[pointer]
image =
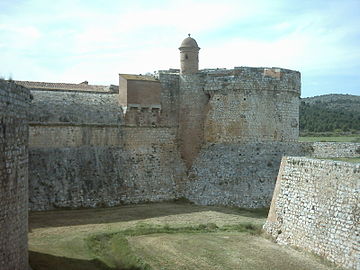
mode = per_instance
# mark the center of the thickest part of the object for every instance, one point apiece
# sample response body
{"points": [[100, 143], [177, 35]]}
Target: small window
{"points": [[186, 56]]}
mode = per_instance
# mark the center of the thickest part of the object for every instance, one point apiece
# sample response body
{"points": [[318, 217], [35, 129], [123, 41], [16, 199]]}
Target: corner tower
{"points": [[189, 56]]}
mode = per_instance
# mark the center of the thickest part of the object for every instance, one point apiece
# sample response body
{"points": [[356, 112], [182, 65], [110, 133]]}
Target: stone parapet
{"points": [[75, 107], [250, 78]]}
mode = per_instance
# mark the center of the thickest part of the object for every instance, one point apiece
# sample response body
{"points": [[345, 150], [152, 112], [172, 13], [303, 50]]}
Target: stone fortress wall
{"points": [[335, 150], [252, 105], [85, 153], [316, 207], [14, 103], [86, 150], [149, 138], [247, 119], [213, 136]]}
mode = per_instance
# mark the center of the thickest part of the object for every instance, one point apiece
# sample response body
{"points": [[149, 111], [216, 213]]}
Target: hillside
{"points": [[330, 113]]}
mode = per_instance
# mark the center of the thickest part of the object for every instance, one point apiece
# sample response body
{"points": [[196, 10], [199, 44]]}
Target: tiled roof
{"points": [[138, 77], [66, 86]]}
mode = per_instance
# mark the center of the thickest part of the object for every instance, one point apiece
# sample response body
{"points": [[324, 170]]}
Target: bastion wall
{"points": [[241, 175], [246, 121], [316, 207], [14, 103], [85, 153], [214, 136], [252, 105], [217, 137]]}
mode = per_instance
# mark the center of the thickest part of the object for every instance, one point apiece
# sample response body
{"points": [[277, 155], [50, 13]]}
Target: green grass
{"points": [[169, 236], [355, 138], [114, 250], [352, 160]]}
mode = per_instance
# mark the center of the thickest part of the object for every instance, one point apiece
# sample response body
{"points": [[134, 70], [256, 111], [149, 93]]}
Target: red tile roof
{"points": [[66, 86]]}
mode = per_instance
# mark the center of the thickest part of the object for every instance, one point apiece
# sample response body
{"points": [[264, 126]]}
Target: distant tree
{"points": [[326, 117]]}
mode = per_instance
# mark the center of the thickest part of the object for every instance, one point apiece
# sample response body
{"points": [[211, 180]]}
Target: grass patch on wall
{"points": [[352, 160], [355, 138]]}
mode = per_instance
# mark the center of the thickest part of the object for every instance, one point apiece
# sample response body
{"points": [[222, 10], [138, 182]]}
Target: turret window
{"points": [[186, 56]]}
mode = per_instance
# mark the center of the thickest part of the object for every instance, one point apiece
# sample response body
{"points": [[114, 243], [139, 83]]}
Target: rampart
{"points": [[85, 153], [316, 207], [245, 120], [230, 127], [14, 103], [214, 136]]}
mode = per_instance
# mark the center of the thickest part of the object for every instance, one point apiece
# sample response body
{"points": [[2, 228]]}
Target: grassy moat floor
{"points": [[170, 236]]}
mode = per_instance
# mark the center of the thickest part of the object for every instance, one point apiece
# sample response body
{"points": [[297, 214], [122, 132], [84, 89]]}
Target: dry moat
{"points": [[212, 136], [159, 236]]}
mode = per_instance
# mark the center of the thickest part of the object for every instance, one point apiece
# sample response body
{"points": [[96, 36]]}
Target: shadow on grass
{"points": [[42, 261], [60, 218]]}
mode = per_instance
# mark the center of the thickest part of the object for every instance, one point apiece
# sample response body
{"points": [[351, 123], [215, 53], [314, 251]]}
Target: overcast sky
{"points": [[94, 40]]}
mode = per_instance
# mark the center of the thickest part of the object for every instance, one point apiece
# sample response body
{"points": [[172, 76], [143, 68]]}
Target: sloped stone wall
{"points": [[82, 153], [14, 102], [237, 174], [145, 166], [315, 206]]}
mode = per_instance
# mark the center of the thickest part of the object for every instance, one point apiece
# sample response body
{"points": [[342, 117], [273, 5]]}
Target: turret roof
{"points": [[189, 42]]}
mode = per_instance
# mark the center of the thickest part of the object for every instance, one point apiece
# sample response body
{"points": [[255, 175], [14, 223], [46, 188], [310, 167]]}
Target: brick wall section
{"points": [[316, 207], [14, 102], [145, 93]]}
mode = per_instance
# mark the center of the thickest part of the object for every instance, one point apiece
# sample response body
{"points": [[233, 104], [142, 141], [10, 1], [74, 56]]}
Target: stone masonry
{"points": [[214, 136], [14, 103], [237, 174], [316, 207], [335, 150], [84, 154]]}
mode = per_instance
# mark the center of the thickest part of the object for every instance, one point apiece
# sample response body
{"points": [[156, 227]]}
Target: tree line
{"points": [[318, 117]]}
